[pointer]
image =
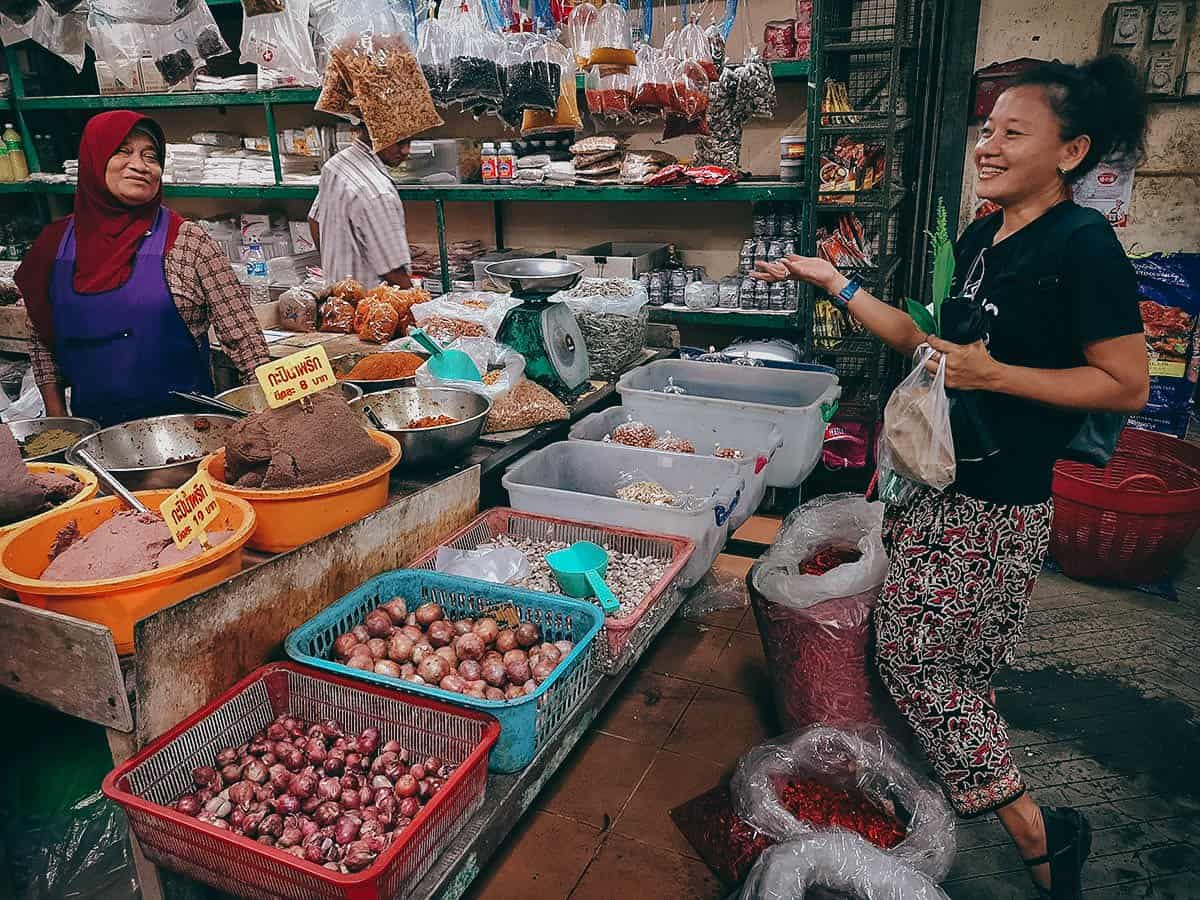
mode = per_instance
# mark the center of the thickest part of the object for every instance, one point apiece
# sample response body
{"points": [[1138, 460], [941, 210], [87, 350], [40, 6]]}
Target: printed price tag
{"points": [[189, 510], [295, 377], [505, 614]]}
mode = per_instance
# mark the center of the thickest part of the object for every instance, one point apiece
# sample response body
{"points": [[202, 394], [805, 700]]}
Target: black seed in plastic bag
{"points": [[62, 7], [174, 67], [475, 78], [532, 85], [209, 43], [20, 11]]}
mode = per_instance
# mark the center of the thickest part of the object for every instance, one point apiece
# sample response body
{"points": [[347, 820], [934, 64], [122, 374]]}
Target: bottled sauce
{"points": [[257, 277], [6, 169], [16, 152], [506, 164], [488, 160]]}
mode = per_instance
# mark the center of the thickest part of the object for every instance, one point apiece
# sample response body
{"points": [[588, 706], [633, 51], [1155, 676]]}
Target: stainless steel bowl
{"points": [[156, 453], [535, 276], [251, 398], [23, 429], [345, 362], [423, 447]]}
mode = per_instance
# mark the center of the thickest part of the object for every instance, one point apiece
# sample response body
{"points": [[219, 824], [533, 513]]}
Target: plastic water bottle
{"points": [[256, 274]]}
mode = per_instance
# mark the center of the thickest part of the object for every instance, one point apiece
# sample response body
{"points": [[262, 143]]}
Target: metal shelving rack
{"points": [[876, 48]]}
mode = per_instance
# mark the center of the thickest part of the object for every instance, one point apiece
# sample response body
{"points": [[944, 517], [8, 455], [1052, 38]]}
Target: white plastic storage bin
{"points": [[800, 403], [578, 480], [757, 438]]}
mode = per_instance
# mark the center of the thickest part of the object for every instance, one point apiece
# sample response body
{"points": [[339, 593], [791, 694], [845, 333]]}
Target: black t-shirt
{"points": [[1050, 289]]}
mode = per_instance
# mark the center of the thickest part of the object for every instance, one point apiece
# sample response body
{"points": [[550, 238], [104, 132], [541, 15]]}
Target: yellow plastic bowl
{"points": [[89, 490], [290, 518], [118, 602]]}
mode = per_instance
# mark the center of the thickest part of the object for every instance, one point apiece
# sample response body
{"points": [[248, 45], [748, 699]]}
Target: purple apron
{"points": [[122, 351]]}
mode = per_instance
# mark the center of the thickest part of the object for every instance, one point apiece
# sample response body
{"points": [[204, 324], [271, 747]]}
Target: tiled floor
{"points": [[1103, 705]]}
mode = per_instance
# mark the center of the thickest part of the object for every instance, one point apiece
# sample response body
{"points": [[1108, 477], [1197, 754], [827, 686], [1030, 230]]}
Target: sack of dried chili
{"points": [[814, 617], [835, 861], [818, 778]]}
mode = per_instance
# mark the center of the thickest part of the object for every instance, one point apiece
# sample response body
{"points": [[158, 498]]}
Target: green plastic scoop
{"points": [[580, 570], [447, 365]]}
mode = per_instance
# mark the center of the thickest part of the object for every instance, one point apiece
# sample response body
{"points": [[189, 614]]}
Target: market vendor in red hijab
{"points": [[122, 293]]}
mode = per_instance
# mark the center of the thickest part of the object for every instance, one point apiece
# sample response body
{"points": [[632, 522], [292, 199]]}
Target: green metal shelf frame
{"points": [[280, 96]]}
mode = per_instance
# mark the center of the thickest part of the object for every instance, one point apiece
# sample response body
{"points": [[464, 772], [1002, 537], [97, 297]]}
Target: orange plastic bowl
{"points": [[118, 602], [90, 487], [288, 519]]}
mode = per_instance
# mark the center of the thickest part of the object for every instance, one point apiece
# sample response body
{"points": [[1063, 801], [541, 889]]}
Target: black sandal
{"points": [[1068, 843]]}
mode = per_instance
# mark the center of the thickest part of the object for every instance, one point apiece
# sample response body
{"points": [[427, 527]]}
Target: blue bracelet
{"points": [[846, 294]]}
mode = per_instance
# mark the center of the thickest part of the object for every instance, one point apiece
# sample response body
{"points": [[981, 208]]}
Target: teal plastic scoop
{"points": [[447, 365], [580, 571]]}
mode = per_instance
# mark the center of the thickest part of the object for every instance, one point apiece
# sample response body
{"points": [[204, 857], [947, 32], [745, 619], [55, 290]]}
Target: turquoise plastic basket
{"points": [[525, 724]]}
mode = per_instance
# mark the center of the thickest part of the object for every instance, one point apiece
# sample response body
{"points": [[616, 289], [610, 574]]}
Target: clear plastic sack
{"points": [[527, 405], [816, 628], [651, 86], [917, 441], [433, 52], [146, 12], [298, 310], [689, 92], [180, 47], [566, 112], [608, 96], [612, 43], [63, 35], [333, 23], [531, 81], [264, 7], [451, 312], [837, 861], [693, 46], [487, 562], [29, 403], [701, 295], [476, 79], [502, 368], [581, 33], [337, 316], [864, 761], [612, 316], [717, 591], [280, 41]]}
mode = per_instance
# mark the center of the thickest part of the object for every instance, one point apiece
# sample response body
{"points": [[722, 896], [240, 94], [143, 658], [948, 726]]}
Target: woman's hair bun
{"points": [[1103, 99]]}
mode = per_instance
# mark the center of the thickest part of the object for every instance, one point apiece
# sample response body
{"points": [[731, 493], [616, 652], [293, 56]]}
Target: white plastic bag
{"points": [[487, 562], [839, 861], [450, 317], [502, 368], [917, 441], [864, 762], [621, 297], [146, 12], [28, 405], [281, 42]]}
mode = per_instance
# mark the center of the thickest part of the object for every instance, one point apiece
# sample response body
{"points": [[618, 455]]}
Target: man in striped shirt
{"points": [[357, 220]]}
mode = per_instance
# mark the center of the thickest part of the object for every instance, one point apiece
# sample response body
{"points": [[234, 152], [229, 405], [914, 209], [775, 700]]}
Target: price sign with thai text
{"points": [[190, 509], [295, 377]]}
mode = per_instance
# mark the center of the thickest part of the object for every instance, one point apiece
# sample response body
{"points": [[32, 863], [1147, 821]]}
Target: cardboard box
{"points": [[620, 260]]}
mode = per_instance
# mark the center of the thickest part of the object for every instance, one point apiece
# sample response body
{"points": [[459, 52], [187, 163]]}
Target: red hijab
{"points": [[107, 232]]}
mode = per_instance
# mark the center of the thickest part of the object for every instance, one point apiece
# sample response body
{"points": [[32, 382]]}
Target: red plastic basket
{"points": [[161, 772], [1130, 521], [619, 637]]}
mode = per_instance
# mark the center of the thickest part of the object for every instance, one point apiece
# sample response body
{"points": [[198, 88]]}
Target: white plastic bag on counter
{"points": [[609, 296], [63, 35], [281, 42], [865, 762], [28, 405], [487, 562], [502, 368], [838, 861], [464, 314]]}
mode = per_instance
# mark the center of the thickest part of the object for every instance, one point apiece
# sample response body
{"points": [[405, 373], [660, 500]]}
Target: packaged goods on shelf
{"points": [[230, 84], [279, 42]]}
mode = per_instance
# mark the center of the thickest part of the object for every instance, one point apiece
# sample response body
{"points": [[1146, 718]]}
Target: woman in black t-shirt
{"points": [[1063, 338]]}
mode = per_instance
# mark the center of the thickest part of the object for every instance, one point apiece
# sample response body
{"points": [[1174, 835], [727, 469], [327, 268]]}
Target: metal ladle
{"points": [[110, 482]]}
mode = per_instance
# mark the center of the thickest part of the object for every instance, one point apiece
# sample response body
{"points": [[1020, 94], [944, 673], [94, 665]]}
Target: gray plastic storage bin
{"points": [[578, 480], [757, 438], [800, 403]]}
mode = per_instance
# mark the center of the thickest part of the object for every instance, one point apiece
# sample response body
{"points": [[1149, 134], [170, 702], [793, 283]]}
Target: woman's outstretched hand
{"points": [[810, 269], [969, 367]]}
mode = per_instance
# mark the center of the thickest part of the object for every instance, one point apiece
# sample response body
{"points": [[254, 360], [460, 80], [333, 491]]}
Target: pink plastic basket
{"points": [[619, 637], [161, 772]]}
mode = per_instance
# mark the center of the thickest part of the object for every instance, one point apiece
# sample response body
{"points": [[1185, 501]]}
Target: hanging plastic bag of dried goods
{"points": [[263, 7], [280, 41], [64, 35], [390, 93], [612, 317], [608, 96], [117, 43], [756, 87], [566, 113], [581, 33], [688, 112], [476, 80], [813, 593], [146, 12], [533, 81], [722, 146], [185, 44], [612, 44], [19, 11], [918, 443], [693, 46], [889, 802], [334, 22], [433, 52], [839, 862]]}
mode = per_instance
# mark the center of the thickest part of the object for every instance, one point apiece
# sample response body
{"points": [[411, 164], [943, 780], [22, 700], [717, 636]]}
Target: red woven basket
{"points": [[1129, 521]]}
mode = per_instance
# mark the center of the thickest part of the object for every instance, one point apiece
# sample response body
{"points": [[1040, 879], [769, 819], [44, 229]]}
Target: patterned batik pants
{"points": [[960, 575]]}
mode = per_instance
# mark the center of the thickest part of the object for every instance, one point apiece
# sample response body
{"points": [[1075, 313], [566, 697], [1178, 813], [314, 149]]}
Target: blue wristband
{"points": [[846, 294]]}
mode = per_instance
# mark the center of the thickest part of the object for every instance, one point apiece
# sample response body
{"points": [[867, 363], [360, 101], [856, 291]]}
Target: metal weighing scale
{"points": [[546, 334]]}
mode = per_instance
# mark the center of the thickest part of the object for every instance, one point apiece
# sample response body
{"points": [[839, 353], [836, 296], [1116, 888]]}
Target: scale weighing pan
{"points": [[546, 334]]}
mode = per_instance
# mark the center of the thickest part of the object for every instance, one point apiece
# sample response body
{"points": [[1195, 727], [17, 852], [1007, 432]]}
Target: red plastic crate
{"points": [[161, 772], [618, 637]]}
